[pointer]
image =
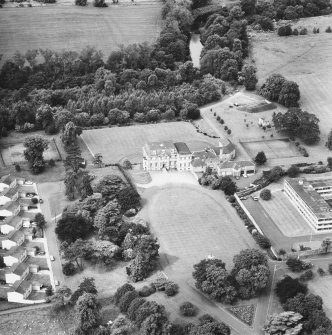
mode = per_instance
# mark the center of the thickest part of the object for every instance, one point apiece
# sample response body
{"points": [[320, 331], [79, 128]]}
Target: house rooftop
{"points": [[10, 206], [305, 189], [226, 146], [182, 148], [235, 165], [21, 286], [11, 221], [16, 251], [9, 192], [16, 236], [19, 268], [159, 148], [7, 179]]}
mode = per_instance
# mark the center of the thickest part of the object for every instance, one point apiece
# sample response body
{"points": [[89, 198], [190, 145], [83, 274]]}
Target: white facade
{"points": [[310, 204]]}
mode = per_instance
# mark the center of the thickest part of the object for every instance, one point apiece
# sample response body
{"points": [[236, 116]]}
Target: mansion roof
{"points": [[182, 148], [159, 148]]}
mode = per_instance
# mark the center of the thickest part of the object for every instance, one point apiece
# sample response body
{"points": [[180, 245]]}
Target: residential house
{"points": [[203, 159], [11, 223], [14, 238], [236, 169], [15, 255], [9, 194], [19, 271], [7, 181], [159, 155], [20, 291], [10, 209]]}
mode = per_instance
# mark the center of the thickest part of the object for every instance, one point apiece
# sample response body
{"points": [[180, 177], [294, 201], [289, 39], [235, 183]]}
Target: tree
{"points": [[87, 312], [134, 306], [72, 227], [289, 94], [295, 264], [326, 244], [128, 198], [285, 30], [328, 144], [188, 309], [249, 73], [147, 309], [126, 300], [59, 298], [275, 173], [49, 291], [288, 288], [293, 171], [210, 328], [248, 6], [70, 133], [260, 158], [304, 304], [99, 3], [121, 292], [40, 222], [227, 185], [110, 186], [298, 123], [265, 194], [103, 251], [98, 160], [75, 251], [284, 323], [35, 147], [68, 269], [34, 232], [272, 87]]}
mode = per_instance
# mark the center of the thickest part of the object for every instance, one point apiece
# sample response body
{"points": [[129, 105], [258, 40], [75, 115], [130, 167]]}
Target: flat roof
{"points": [[317, 183], [311, 197], [182, 148]]}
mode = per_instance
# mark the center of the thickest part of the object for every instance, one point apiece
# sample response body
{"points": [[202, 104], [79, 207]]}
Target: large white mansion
{"points": [[177, 156], [311, 198]]}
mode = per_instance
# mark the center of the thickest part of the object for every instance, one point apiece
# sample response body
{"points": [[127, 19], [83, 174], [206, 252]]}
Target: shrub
{"points": [[226, 128], [171, 289], [51, 162], [304, 31], [295, 32], [122, 290], [17, 167], [231, 199], [218, 118], [99, 3], [293, 171], [188, 309], [160, 284], [49, 291], [222, 121], [34, 200], [81, 2], [68, 269], [126, 300], [297, 265], [289, 287], [214, 114], [330, 268], [229, 131], [321, 271], [265, 194], [205, 318], [262, 240], [285, 30], [328, 30], [146, 291], [307, 275]]}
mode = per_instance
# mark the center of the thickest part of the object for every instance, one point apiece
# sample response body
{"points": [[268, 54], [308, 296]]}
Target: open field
{"points": [[273, 148], [73, 28], [285, 215], [119, 142], [306, 60]]}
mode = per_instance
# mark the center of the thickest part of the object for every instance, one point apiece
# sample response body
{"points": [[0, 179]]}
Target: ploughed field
{"points": [[73, 28]]}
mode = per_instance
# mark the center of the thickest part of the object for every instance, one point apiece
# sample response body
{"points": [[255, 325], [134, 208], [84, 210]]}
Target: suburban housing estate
{"points": [[177, 156]]}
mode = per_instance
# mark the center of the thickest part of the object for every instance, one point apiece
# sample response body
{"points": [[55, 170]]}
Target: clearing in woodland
{"points": [[73, 28], [119, 142], [306, 60]]}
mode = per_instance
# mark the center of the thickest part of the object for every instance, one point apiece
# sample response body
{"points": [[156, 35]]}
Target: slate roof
{"points": [[19, 268], [227, 146], [200, 157], [7, 179], [182, 148], [235, 165], [9, 192], [16, 251]]}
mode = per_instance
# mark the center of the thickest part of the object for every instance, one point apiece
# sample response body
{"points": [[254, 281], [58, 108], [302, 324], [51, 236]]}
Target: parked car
{"points": [[56, 282], [52, 258], [30, 194], [41, 253], [41, 201], [256, 198], [28, 182]]}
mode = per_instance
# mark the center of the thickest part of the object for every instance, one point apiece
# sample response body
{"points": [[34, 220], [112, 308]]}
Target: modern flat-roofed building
{"points": [[310, 198]]}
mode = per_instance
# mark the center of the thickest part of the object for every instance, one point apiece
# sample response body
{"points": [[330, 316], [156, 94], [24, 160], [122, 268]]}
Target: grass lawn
{"points": [[73, 28], [306, 60], [285, 215], [119, 142], [191, 223], [322, 287]]}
